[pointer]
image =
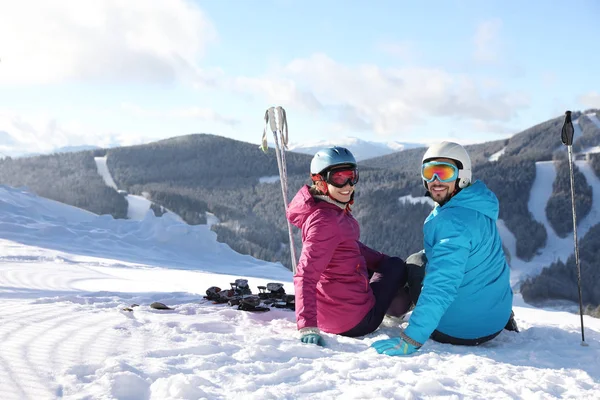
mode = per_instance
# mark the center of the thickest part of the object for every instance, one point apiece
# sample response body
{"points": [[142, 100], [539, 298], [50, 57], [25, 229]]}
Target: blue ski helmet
{"points": [[330, 157]]}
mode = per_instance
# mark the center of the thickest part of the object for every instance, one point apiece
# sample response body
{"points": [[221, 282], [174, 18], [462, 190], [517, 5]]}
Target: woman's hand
{"points": [[311, 335]]}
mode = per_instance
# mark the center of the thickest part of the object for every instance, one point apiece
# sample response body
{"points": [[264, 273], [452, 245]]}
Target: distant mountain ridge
{"points": [[361, 149], [72, 149], [63, 149]]}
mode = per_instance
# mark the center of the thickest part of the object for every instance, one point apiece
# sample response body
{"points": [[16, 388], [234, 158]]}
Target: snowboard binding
{"points": [[214, 293], [273, 291], [274, 294], [240, 287], [252, 303], [240, 295]]}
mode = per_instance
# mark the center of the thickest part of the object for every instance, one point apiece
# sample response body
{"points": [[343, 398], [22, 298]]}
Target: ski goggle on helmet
{"points": [[341, 177], [443, 171]]}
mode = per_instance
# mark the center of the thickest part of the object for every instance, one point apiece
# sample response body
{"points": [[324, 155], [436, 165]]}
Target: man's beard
{"points": [[444, 200]]}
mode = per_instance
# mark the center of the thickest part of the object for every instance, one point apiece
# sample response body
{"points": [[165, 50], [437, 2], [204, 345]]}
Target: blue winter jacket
{"points": [[466, 291]]}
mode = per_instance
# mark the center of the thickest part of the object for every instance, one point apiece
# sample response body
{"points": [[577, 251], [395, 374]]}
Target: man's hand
{"points": [[394, 347]]}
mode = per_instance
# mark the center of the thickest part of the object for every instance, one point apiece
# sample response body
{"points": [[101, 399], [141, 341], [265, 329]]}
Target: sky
{"points": [[67, 277], [108, 73]]}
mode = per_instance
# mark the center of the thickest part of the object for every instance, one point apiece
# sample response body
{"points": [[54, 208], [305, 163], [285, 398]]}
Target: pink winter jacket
{"points": [[331, 283]]}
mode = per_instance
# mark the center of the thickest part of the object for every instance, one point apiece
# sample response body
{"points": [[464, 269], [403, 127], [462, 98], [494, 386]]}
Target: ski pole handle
{"points": [[567, 130]]}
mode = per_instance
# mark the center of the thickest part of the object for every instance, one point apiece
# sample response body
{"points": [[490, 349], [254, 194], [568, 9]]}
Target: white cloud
{"points": [[101, 41], [487, 40], [384, 101], [42, 133], [590, 100], [276, 90], [498, 129], [204, 114]]}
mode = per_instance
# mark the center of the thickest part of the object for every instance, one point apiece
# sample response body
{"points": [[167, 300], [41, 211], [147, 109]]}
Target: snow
{"points": [[104, 173], [138, 207], [594, 149], [66, 275], [508, 239], [594, 119], [577, 132], [34, 221], [556, 248], [416, 200], [268, 179], [496, 155], [211, 219]]}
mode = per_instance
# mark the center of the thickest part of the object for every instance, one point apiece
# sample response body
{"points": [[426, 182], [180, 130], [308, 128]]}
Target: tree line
{"points": [[195, 174]]}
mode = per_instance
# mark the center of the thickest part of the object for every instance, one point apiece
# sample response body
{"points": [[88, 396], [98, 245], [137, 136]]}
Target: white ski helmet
{"points": [[455, 152]]}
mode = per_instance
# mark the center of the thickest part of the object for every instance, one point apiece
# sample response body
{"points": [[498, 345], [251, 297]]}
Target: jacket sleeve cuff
{"points": [[409, 340], [309, 330]]}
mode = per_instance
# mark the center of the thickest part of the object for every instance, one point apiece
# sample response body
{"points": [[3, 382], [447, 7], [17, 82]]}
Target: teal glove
{"points": [[311, 335], [394, 347]]}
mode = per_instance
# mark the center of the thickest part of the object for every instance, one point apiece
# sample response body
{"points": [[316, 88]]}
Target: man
{"points": [[466, 298]]}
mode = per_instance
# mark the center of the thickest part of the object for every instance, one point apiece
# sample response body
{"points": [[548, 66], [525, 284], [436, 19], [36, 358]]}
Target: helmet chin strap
{"points": [[320, 183], [457, 187]]}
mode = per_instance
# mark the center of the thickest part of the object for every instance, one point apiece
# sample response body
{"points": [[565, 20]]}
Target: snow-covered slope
{"points": [[165, 241], [66, 275], [361, 149], [138, 206], [556, 248], [102, 168], [594, 119]]}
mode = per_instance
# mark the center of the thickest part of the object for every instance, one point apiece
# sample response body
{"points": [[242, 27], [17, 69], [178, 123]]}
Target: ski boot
{"points": [[511, 325], [218, 296], [213, 293], [251, 303], [271, 293], [288, 301], [240, 287], [240, 290]]}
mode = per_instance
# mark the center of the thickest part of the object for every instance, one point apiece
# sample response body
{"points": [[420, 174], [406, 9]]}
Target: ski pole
{"points": [[276, 121], [567, 139]]}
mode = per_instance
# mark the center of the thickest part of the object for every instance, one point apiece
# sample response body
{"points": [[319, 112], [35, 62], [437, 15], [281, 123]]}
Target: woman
{"points": [[331, 284]]}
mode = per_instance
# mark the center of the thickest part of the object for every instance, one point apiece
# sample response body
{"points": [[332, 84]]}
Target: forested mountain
{"points": [[195, 174], [70, 178]]}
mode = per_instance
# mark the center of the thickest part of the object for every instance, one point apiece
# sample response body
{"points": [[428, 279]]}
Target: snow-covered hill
{"points": [[361, 149], [67, 274], [34, 221], [138, 206]]}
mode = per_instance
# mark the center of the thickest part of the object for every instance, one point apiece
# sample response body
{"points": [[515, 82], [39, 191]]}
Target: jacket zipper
{"points": [[362, 276]]}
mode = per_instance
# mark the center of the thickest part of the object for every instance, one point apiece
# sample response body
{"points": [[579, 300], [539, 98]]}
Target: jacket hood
{"points": [[301, 206], [477, 197]]}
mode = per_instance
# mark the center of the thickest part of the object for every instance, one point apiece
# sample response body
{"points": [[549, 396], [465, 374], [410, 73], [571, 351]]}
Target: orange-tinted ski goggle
{"points": [[443, 171]]}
